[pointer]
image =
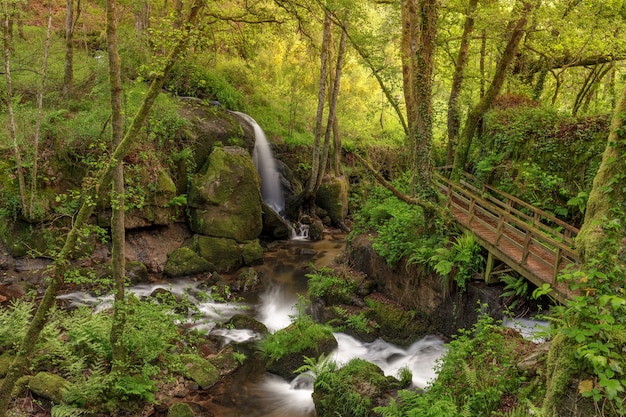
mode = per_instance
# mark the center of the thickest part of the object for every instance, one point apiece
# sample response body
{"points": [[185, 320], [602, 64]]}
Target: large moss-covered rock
{"points": [[200, 371], [5, 361], [226, 254], [332, 196], [49, 386], [151, 195], [289, 347], [184, 261], [225, 197], [353, 389]]}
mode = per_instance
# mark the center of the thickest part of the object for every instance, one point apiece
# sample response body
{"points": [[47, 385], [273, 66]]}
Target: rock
{"points": [[184, 261], [316, 230], [358, 385], [247, 279], [5, 361], [136, 272], [332, 196], [225, 196], [155, 206], [320, 341], [49, 386], [200, 371], [535, 360], [243, 321], [226, 254], [180, 410], [274, 226]]}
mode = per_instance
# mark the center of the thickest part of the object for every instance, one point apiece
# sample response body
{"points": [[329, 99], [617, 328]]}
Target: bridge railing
{"points": [[539, 237]]}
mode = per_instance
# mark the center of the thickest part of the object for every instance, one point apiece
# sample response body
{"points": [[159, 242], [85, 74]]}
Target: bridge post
{"points": [[489, 268]]}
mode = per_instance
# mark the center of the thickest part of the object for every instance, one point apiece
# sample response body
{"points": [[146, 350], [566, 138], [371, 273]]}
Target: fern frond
{"points": [[67, 410]]}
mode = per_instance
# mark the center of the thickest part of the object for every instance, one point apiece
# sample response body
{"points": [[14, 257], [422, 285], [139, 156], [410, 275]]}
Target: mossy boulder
{"points": [[226, 254], [332, 196], [225, 196], [352, 391], [180, 410], [288, 347], [184, 261], [49, 386], [200, 371], [243, 321], [151, 193]]}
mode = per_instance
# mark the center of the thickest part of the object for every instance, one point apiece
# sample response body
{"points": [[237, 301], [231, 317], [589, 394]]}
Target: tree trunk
{"points": [[89, 195], [309, 194], [6, 36], [474, 116], [332, 109], [142, 16], [118, 238], [454, 113], [417, 50], [605, 207], [42, 84], [70, 25]]}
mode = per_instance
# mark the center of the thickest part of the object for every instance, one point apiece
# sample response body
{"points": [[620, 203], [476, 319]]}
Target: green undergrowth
{"points": [[75, 345], [478, 376]]}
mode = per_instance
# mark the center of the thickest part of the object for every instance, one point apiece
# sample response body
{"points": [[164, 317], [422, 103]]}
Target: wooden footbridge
{"points": [[526, 239]]}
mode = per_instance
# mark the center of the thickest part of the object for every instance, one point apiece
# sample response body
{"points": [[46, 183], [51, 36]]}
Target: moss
{"points": [[49, 386], [180, 410], [201, 371], [184, 261], [5, 361], [332, 196], [252, 252], [562, 366], [225, 254]]}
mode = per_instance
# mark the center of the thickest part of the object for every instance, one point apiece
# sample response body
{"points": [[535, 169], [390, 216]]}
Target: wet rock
{"points": [[274, 226], [136, 272], [184, 261], [201, 371], [247, 279], [16, 290], [243, 321], [225, 196], [332, 196], [180, 410], [316, 230], [226, 254], [49, 386]]}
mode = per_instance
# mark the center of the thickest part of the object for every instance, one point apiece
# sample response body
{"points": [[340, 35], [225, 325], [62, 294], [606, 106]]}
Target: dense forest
{"points": [[125, 117]]}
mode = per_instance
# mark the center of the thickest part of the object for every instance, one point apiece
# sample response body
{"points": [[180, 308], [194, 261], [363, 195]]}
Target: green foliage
{"points": [[478, 369], [397, 227], [203, 83], [459, 261], [13, 323], [326, 284], [357, 322], [303, 333], [516, 289]]}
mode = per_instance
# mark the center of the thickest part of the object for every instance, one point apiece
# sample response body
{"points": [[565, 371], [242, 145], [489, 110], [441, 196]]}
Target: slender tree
{"points": [[117, 195], [7, 11], [89, 195], [42, 84], [454, 112], [517, 30], [71, 18]]}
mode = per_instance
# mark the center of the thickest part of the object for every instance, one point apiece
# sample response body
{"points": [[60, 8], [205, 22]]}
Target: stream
{"points": [[283, 275]]}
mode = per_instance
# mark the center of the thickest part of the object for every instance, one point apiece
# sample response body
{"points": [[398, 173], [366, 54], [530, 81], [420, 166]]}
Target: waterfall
{"points": [[271, 188]]}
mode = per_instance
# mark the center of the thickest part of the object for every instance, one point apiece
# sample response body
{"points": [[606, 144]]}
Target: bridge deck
{"points": [[530, 241]]}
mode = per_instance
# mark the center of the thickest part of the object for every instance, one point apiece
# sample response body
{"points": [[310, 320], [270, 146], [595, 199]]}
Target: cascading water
{"points": [[271, 188]]}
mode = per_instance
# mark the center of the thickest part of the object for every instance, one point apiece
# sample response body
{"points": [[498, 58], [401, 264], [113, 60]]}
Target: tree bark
{"points": [[605, 207], [309, 194], [70, 25], [476, 113], [118, 238], [42, 84], [454, 113], [6, 37], [332, 109], [88, 197], [418, 50]]}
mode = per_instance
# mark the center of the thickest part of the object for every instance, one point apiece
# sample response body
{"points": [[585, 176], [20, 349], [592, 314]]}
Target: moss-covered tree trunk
{"points": [[418, 60], [605, 207], [88, 198], [118, 231], [454, 112], [476, 113], [70, 24]]}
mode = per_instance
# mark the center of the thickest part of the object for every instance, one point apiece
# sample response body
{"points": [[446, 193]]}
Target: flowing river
{"points": [[258, 394]]}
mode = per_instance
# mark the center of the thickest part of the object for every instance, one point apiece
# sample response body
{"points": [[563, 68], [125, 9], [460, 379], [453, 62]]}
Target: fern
{"points": [[67, 410], [470, 376]]}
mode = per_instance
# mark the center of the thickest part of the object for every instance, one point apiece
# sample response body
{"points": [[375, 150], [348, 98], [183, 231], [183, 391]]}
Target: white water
{"points": [[271, 188]]}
